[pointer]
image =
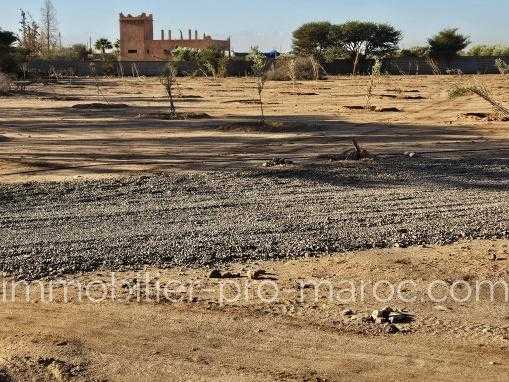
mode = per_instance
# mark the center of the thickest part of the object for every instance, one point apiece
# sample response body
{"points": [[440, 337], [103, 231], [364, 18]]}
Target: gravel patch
{"points": [[211, 218]]}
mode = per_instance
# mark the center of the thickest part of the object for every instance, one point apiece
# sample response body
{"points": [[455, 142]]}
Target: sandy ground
{"points": [[47, 139], [196, 335], [239, 329]]}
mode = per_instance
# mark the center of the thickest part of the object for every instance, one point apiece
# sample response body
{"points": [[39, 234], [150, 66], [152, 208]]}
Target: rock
{"points": [[347, 312], [382, 313], [391, 329], [400, 317], [256, 274], [215, 274], [441, 308]]}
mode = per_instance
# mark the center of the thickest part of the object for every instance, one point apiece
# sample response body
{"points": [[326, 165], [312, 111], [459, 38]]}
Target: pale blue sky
{"points": [[269, 23]]}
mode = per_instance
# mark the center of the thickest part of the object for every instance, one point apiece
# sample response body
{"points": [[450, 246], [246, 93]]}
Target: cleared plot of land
{"points": [[48, 139], [135, 190]]}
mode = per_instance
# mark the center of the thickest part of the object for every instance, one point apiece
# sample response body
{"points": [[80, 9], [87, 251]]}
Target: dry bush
{"points": [[502, 66], [294, 68], [5, 84], [482, 91]]}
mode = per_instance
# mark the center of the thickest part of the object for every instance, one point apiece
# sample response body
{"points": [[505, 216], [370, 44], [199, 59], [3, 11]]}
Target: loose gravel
{"points": [[212, 218]]}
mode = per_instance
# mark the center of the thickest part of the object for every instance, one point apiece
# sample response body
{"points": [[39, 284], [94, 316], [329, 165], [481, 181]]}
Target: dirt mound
{"points": [[96, 106]]}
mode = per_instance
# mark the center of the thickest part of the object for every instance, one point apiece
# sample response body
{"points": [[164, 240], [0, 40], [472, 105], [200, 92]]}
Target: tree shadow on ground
{"points": [[451, 156]]}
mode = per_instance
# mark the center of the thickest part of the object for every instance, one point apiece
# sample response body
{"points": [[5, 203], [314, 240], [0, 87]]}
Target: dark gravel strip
{"points": [[209, 218]]}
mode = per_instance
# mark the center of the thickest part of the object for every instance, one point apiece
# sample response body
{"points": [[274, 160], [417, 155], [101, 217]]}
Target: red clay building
{"points": [[137, 40]]}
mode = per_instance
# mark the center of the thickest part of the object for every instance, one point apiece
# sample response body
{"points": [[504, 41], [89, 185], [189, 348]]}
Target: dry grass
{"points": [[5, 84], [482, 91]]}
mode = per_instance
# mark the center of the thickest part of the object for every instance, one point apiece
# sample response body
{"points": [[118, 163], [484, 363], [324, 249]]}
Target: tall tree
{"points": [[359, 38], [103, 44], [30, 35], [312, 38], [448, 43], [49, 25]]}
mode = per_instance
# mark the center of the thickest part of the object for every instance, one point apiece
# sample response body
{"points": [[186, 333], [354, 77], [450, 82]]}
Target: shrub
{"points": [[447, 44], [290, 68], [488, 51], [186, 61], [415, 52], [502, 66]]}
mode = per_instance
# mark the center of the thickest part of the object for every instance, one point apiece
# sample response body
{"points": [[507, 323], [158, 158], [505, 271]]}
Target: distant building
{"points": [[137, 40]]}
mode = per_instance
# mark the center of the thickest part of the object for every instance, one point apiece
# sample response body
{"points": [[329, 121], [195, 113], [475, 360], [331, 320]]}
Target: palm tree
{"points": [[103, 44]]}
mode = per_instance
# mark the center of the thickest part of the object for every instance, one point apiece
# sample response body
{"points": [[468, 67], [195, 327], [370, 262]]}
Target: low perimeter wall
{"points": [[403, 65]]}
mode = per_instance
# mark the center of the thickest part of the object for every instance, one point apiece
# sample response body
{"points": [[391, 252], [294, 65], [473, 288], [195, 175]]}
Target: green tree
{"points": [[7, 51], [103, 44], [447, 44], [367, 39], [360, 39], [312, 38]]}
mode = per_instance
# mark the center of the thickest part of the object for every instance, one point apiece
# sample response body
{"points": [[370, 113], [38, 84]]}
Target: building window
{"points": [[132, 51], [148, 51]]}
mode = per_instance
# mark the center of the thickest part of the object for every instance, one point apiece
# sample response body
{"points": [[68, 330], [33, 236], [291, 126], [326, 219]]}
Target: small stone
{"points": [[215, 274], [347, 312], [441, 308]]}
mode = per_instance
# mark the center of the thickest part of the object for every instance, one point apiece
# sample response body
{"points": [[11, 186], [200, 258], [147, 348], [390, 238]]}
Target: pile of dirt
{"points": [[97, 106]]}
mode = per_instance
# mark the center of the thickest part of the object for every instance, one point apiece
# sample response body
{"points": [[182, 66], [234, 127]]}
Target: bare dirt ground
{"points": [[47, 139], [250, 334], [455, 187]]}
